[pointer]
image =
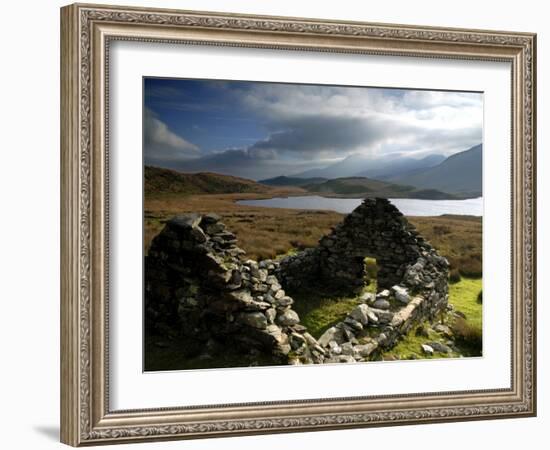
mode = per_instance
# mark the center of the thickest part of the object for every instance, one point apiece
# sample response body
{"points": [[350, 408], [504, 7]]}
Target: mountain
{"points": [[368, 166], [458, 174], [160, 181], [291, 181], [390, 167], [367, 187], [344, 168]]}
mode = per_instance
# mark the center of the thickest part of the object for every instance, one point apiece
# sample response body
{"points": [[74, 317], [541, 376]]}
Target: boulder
{"points": [[364, 350], [210, 218], [444, 330], [427, 349], [355, 324], [284, 301], [288, 318], [439, 347], [361, 314], [401, 294], [332, 334], [381, 304], [185, 222]]}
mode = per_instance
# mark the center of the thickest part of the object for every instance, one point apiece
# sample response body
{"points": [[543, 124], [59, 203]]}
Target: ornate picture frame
{"points": [[87, 31]]}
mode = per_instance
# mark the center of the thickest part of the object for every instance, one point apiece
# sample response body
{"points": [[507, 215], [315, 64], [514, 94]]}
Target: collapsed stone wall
{"points": [[412, 278], [197, 286], [376, 228]]}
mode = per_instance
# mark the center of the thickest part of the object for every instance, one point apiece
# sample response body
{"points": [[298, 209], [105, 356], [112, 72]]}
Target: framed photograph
{"points": [[276, 224]]}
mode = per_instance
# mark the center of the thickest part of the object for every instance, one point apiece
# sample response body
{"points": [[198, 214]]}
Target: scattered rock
{"points": [[381, 304], [334, 348], [373, 318], [347, 348], [332, 334], [439, 347], [383, 315], [427, 349], [401, 294], [444, 330], [355, 324], [361, 314], [366, 349]]}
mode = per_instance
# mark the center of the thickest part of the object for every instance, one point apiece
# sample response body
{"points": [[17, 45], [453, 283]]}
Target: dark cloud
{"points": [[313, 134], [306, 125]]}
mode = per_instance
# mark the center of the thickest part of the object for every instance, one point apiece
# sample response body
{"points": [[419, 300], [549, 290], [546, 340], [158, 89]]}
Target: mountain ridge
{"points": [[460, 173], [158, 180], [367, 166]]}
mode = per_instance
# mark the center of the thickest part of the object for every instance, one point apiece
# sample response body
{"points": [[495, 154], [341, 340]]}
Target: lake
{"points": [[408, 206]]}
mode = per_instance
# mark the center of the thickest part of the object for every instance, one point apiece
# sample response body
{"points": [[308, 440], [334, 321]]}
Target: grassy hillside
{"points": [[291, 181], [363, 187], [165, 181]]}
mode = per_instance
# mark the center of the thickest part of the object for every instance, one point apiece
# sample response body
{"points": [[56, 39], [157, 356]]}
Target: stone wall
{"points": [[376, 229], [412, 279], [197, 286]]}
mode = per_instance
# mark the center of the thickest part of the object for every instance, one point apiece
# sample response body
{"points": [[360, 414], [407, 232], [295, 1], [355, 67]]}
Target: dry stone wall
{"points": [[199, 286], [376, 229]]}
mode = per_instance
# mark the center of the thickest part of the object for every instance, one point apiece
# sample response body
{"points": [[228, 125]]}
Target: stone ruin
{"points": [[198, 286]]}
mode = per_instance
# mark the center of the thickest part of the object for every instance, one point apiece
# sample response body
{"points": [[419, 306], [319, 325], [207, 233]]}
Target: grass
{"points": [[318, 311], [458, 238], [268, 232], [463, 296], [262, 232], [410, 347], [158, 180]]}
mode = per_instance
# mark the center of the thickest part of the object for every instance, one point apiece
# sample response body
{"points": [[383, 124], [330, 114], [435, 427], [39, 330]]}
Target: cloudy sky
{"points": [[259, 130]]}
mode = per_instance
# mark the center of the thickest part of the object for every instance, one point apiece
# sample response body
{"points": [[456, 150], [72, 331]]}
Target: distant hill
{"points": [[367, 187], [291, 181], [161, 181], [459, 174], [357, 165], [396, 166]]}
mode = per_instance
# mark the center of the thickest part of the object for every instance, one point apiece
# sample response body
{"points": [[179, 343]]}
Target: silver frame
{"points": [[86, 32]]}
